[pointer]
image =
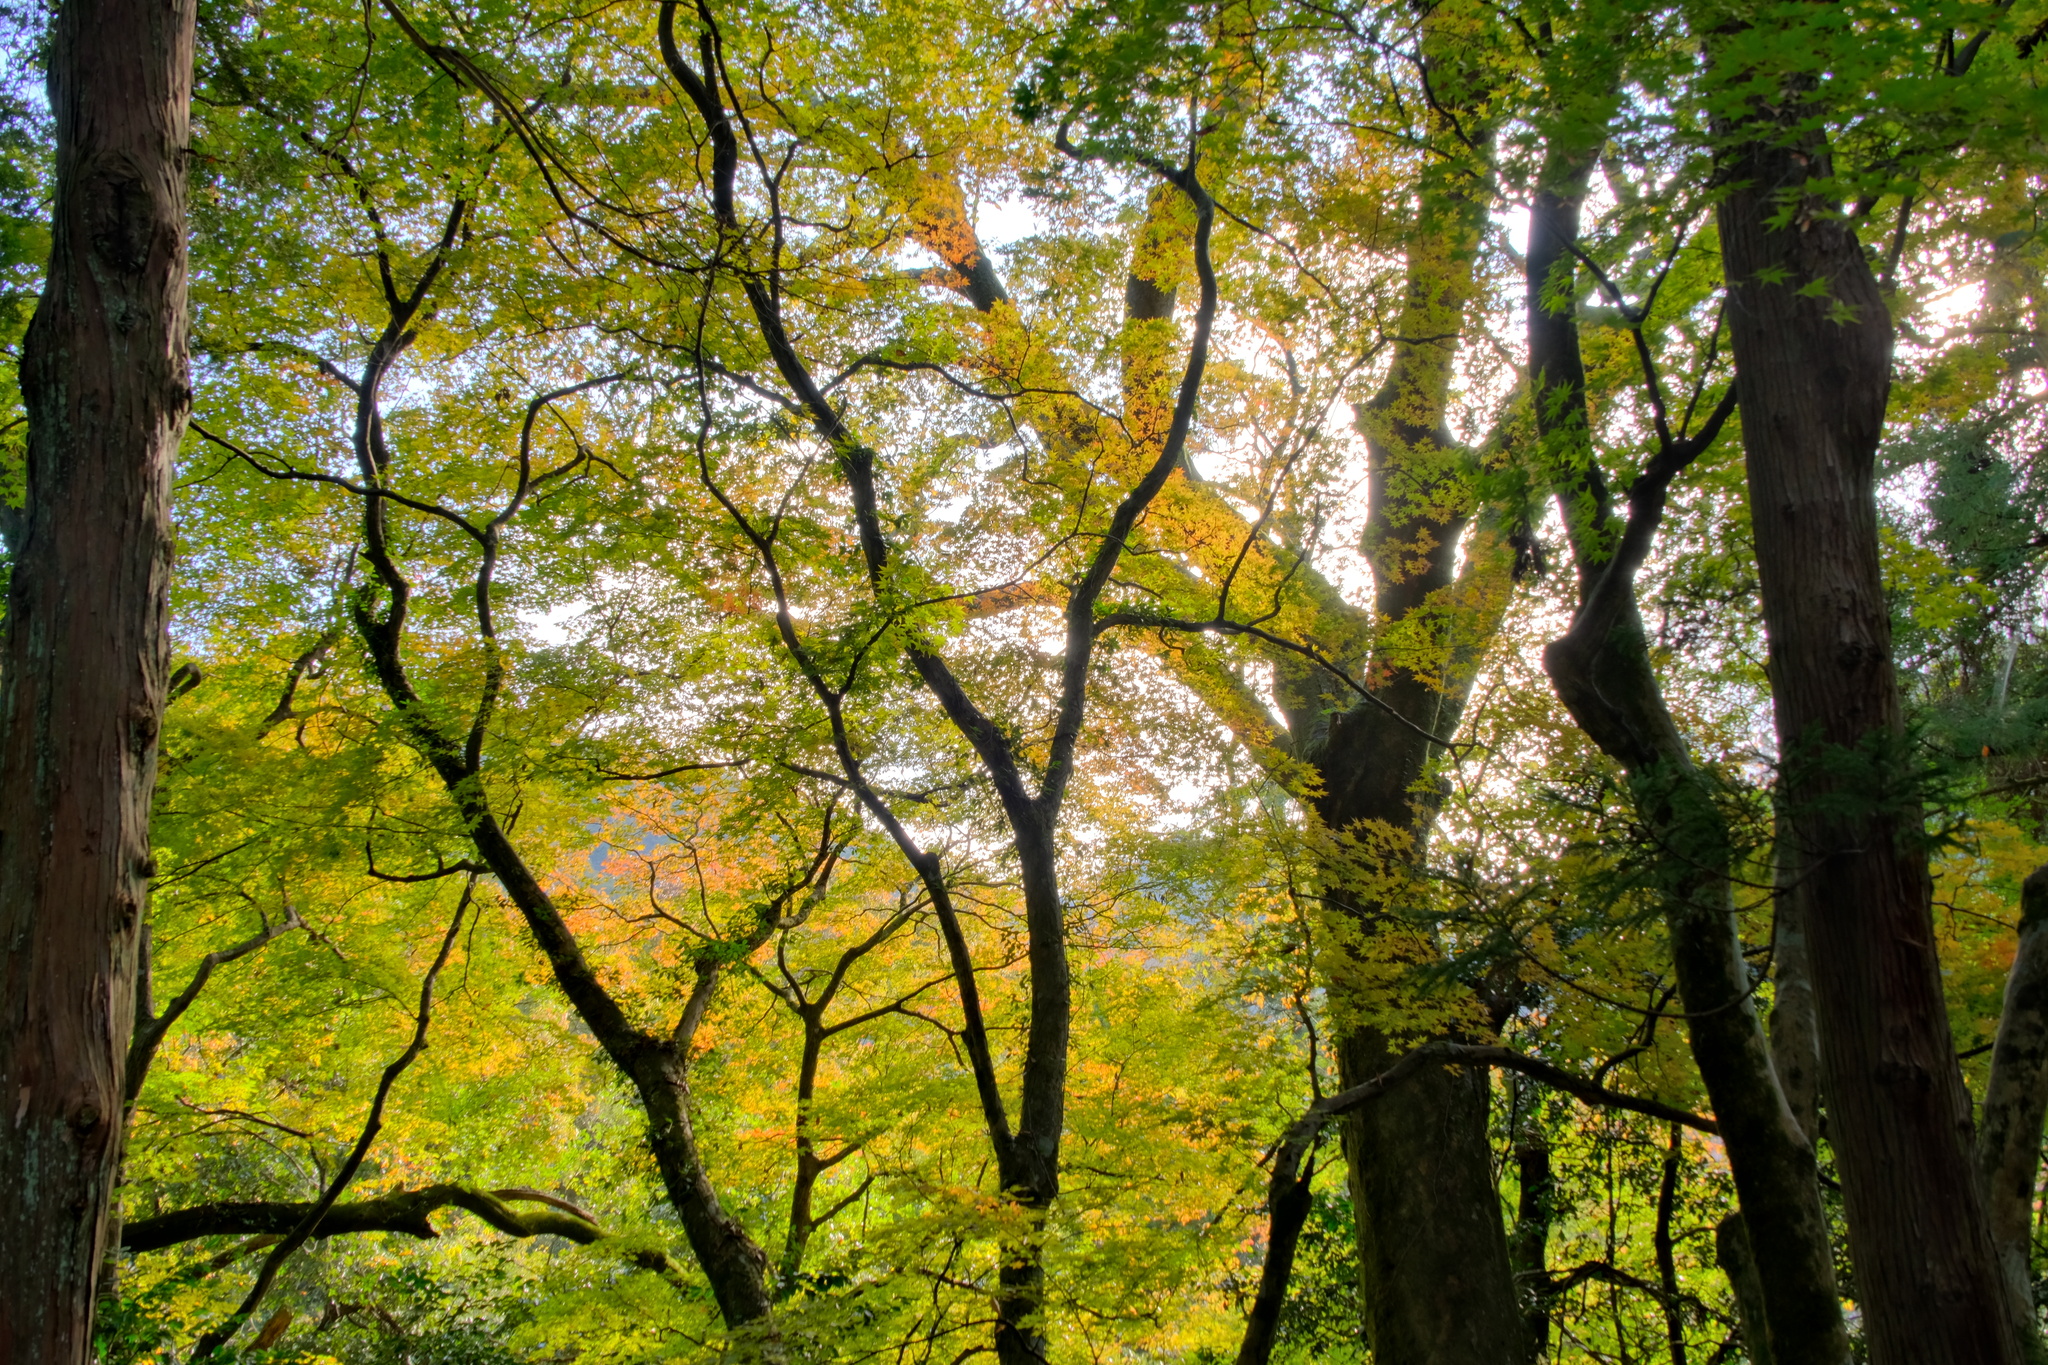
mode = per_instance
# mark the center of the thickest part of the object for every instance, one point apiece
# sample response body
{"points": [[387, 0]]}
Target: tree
{"points": [[1812, 335], [105, 384], [1603, 671], [1363, 702], [956, 802]]}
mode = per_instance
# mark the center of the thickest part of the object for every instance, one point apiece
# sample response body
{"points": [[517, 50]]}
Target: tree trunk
{"points": [[1603, 673], [1029, 1164], [1535, 1211], [1437, 1284], [1731, 1253], [1665, 1243], [1812, 345], [82, 684], [1795, 1035], [1283, 1238], [2015, 1100]]}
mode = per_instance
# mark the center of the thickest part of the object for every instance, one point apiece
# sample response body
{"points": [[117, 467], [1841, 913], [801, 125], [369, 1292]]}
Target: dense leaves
{"points": [[848, 543]]}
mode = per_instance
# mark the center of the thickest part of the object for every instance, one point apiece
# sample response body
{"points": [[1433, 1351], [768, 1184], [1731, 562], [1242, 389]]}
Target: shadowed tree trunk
{"points": [[1812, 342], [1795, 1055], [2015, 1099], [1795, 1035], [1731, 1253], [1433, 1255], [105, 383], [1535, 1211], [1604, 675]]}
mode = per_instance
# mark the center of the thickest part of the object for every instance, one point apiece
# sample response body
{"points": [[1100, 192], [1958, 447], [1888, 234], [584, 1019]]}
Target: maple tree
{"points": [[1094, 681]]}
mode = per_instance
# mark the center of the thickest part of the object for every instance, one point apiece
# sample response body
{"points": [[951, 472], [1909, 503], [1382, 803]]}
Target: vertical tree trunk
{"points": [[1433, 1254], [1731, 1253], [1812, 344], [1666, 1245], [1795, 1035], [1606, 679], [82, 683], [2015, 1099], [1535, 1211]]}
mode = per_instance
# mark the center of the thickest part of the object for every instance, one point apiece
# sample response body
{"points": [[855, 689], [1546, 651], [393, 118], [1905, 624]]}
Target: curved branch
{"points": [[309, 1221], [406, 1211], [151, 1027]]}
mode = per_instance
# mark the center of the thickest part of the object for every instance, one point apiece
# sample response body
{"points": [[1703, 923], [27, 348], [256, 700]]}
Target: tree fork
{"points": [[1433, 1253], [1602, 671]]}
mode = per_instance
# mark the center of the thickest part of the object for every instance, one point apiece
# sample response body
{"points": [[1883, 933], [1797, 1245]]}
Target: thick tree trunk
{"points": [[1434, 1270], [2015, 1100], [1812, 345], [1603, 674], [82, 684], [1437, 1283], [1428, 1215]]}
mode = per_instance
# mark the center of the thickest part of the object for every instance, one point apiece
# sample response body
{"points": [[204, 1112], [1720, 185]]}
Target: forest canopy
{"points": [[1271, 680]]}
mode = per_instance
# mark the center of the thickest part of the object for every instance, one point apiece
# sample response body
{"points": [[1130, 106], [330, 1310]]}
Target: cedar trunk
{"points": [[105, 383], [1812, 343]]}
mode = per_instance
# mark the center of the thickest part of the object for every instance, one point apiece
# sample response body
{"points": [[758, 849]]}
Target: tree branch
{"points": [[1287, 1190], [150, 1027], [309, 1223]]}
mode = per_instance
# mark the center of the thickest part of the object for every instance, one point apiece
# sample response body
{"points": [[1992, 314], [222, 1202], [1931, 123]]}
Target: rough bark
{"points": [[1603, 673], [2015, 1101], [1812, 344], [105, 383]]}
